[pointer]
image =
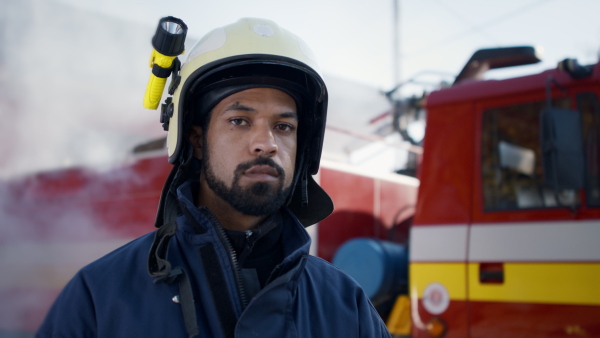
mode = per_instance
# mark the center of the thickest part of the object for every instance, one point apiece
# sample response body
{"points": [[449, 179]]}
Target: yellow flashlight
{"points": [[168, 43]]}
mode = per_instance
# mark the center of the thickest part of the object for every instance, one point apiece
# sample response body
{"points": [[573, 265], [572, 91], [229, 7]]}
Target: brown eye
{"points": [[285, 127], [238, 122]]}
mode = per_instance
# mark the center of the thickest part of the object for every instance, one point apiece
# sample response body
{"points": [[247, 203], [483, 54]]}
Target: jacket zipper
{"points": [[236, 266], [250, 239]]}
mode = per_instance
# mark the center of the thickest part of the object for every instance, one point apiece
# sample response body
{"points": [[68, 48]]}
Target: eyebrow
{"points": [[238, 106], [289, 115]]}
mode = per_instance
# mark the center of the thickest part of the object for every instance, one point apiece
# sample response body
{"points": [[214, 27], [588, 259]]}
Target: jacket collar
{"points": [[296, 241]]}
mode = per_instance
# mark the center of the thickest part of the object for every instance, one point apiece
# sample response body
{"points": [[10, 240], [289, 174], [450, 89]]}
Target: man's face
{"points": [[249, 150]]}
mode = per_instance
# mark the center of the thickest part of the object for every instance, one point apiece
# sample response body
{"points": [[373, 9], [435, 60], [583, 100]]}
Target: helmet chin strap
{"points": [[181, 171], [304, 187], [300, 178]]}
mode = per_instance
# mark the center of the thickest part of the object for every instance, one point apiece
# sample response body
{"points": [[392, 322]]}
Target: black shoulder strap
{"points": [[160, 267]]}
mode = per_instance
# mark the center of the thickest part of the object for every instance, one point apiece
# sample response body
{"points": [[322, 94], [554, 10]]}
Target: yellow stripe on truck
{"points": [[451, 275], [556, 283]]}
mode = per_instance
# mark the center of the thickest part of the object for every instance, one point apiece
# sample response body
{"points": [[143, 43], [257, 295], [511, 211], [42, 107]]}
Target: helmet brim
{"points": [[319, 207]]}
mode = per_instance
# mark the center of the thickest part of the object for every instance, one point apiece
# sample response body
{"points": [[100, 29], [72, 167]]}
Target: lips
{"points": [[262, 172]]}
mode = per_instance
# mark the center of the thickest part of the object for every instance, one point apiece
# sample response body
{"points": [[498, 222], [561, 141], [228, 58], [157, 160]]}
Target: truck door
{"points": [[533, 253]]}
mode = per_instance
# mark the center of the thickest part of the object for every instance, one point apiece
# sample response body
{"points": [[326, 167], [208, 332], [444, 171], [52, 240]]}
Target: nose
{"points": [[263, 142]]}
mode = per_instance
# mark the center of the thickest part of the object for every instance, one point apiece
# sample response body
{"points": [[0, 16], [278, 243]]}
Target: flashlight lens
{"points": [[172, 27], [169, 38]]}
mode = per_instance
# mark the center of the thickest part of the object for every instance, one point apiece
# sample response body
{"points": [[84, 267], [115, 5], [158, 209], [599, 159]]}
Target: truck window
{"points": [[587, 103], [511, 167]]}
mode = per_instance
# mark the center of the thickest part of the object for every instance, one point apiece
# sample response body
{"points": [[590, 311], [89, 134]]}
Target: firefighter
{"points": [[230, 257]]}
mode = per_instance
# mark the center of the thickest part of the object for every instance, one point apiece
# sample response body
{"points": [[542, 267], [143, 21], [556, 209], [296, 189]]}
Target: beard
{"points": [[259, 198]]}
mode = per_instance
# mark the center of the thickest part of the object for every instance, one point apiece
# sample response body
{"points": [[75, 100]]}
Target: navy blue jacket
{"points": [[116, 297]]}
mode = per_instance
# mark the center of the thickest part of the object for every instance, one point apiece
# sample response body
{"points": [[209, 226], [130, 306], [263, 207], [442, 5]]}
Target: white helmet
{"points": [[248, 54]]}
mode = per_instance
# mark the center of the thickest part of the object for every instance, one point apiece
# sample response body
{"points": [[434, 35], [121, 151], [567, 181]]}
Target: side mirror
{"points": [[562, 149]]}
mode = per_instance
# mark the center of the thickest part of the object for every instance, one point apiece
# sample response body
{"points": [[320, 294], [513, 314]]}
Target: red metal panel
{"points": [[79, 204], [397, 203], [477, 90], [446, 170], [455, 318], [353, 216], [493, 319]]}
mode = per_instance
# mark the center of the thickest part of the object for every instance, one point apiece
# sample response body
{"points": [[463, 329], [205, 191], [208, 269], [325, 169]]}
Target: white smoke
{"points": [[71, 87], [71, 90]]}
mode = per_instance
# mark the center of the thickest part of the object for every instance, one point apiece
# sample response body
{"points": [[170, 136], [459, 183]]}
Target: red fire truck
{"points": [[496, 236], [504, 237]]}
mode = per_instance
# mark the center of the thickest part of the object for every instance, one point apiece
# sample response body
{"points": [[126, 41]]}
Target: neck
{"points": [[230, 218]]}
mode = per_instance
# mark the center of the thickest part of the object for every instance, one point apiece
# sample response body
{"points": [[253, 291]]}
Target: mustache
{"points": [[259, 161]]}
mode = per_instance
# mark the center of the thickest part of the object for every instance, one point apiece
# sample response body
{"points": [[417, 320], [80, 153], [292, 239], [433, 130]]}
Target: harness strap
{"points": [[158, 265], [187, 305], [160, 268]]}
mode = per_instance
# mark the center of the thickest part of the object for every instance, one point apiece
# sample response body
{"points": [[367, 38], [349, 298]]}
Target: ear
{"points": [[196, 141]]}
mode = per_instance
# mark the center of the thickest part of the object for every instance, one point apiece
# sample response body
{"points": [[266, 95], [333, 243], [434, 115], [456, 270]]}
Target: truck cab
{"points": [[504, 236]]}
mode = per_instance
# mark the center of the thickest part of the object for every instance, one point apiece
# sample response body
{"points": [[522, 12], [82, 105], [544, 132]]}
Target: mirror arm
{"points": [[549, 83]]}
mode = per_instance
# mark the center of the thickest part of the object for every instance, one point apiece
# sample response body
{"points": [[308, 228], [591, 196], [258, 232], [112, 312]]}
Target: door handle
{"points": [[491, 273]]}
